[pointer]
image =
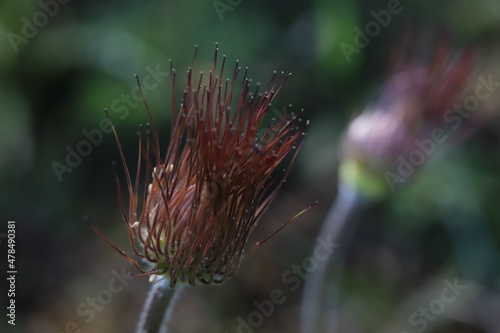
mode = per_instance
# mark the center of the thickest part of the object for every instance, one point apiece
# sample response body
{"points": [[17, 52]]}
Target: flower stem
{"points": [[158, 308], [339, 224]]}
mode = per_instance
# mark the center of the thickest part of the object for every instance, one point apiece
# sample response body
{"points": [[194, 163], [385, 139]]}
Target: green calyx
{"points": [[356, 174]]}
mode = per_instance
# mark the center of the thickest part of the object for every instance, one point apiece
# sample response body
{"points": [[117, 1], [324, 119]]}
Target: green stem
{"points": [[158, 308], [339, 225]]}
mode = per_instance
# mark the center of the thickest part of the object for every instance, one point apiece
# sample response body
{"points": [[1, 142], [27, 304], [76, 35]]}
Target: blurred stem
{"points": [[339, 225], [158, 307]]}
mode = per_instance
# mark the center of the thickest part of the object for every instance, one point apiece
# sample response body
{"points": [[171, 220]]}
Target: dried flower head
{"points": [[383, 145], [202, 199]]}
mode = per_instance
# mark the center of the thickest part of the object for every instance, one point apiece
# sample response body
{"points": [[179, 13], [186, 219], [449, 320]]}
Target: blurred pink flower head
{"points": [[419, 106]]}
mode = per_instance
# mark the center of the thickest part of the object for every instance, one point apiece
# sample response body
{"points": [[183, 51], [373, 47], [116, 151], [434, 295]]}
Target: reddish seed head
{"points": [[204, 196]]}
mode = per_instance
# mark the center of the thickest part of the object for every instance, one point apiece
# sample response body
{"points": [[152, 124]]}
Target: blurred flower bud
{"points": [[420, 106]]}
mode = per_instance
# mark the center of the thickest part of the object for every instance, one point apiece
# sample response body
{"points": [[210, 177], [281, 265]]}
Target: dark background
{"points": [[443, 225]]}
